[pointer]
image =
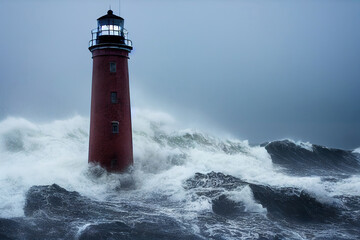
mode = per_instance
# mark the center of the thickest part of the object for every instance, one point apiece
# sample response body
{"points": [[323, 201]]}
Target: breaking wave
{"points": [[185, 184]]}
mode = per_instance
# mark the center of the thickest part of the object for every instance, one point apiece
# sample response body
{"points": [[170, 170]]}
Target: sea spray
{"points": [[154, 192]]}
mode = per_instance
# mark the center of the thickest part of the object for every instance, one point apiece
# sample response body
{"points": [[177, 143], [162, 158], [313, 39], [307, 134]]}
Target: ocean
{"points": [[185, 184]]}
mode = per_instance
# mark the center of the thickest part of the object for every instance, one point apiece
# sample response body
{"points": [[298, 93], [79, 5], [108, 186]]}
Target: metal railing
{"points": [[96, 33], [126, 42]]}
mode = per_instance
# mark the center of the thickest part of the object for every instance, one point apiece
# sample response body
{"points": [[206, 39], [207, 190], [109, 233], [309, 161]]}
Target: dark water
{"points": [[201, 188]]}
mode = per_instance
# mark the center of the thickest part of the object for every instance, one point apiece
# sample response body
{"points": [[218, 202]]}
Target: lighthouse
{"points": [[110, 143]]}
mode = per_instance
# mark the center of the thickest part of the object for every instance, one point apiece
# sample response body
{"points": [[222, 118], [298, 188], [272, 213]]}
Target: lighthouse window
{"points": [[112, 66], [114, 97], [115, 127]]}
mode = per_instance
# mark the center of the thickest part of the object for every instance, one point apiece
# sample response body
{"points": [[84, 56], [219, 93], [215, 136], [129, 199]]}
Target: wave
{"points": [[300, 158], [181, 179], [74, 216], [53, 207], [279, 202]]}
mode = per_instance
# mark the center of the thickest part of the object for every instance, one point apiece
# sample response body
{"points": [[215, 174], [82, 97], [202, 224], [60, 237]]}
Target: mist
{"points": [[257, 70]]}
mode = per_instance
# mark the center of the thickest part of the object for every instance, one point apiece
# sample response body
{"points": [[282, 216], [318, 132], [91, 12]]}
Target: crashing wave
{"points": [[319, 161], [183, 179]]}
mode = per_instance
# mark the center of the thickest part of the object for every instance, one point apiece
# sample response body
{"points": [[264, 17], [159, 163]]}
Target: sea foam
{"points": [[165, 155]]}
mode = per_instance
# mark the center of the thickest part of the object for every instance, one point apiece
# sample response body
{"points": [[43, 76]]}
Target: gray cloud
{"points": [[261, 70]]}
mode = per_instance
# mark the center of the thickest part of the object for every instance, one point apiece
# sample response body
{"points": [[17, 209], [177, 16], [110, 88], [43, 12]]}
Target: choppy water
{"points": [[185, 184]]}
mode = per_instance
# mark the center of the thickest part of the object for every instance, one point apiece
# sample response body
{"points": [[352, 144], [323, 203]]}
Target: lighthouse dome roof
{"points": [[109, 15], [111, 19]]}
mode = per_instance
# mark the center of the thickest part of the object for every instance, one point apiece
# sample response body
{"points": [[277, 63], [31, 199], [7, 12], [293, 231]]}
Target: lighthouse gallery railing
{"points": [[96, 33]]}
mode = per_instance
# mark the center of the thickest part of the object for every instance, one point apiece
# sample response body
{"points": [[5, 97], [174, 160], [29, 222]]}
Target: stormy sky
{"points": [[257, 69]]}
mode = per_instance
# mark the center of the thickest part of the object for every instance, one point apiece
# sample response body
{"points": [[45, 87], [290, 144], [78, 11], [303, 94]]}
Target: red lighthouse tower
{"points": [[110, 124]]}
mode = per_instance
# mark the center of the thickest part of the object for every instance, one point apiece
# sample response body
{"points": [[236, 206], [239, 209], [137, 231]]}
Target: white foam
{"points": [[357, 150], [347, 187], [40, 154], [305, 145], [245, 196], [56, 152]]}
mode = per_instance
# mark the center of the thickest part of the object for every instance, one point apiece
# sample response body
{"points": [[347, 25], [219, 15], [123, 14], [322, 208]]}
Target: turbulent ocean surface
{"points": [[185, 184]]}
